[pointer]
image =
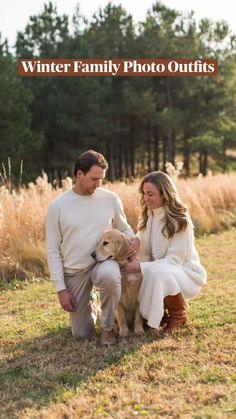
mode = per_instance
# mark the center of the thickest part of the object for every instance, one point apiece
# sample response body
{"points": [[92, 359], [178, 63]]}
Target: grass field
{"points": [[44, 373]]}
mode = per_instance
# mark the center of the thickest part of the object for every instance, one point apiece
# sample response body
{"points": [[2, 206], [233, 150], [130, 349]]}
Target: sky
{"points": [[14, 14]]}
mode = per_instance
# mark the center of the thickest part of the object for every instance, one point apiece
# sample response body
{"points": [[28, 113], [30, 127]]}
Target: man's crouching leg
{"points": [[83, 318], [106, 277], [82, 324]]}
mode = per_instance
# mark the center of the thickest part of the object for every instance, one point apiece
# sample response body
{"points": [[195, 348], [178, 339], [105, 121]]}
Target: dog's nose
{"points": [[93, 255]]}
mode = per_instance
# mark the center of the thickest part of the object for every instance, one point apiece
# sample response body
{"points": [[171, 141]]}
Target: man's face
{"points": [[91, 181]]}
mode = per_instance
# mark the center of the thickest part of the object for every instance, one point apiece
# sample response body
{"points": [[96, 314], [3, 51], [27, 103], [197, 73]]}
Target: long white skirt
{"points": [[160, 280]]}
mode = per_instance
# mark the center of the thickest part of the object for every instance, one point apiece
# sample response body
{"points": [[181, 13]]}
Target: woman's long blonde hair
{"points": [[176, 213]]}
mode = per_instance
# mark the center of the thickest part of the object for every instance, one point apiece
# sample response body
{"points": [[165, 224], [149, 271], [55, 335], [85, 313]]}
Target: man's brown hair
{"points": [[88, 159]]}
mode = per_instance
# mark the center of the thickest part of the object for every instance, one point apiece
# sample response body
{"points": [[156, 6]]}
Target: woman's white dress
{"points": [[174, 267]]}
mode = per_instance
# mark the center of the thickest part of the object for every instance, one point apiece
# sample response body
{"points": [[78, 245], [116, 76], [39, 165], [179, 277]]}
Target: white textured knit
{"points": [[73, 228], [174, 267]]}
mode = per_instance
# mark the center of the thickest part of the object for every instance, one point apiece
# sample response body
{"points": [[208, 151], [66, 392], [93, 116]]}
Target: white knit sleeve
{"points": [[179, 246], [53, 244], [176, 253]]}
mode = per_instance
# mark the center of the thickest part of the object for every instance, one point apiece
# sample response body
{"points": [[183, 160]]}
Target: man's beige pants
{"points": [[106, 277]]}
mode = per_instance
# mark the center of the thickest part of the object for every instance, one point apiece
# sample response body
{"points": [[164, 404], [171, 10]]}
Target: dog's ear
{"points": [[122, 249]]}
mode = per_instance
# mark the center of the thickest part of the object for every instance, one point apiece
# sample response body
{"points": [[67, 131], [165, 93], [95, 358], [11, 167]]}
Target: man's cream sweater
{"points": [[74, 225]]}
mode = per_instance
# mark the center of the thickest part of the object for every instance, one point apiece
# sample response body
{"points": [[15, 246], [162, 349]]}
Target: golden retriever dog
{"points": [[115, 245]]}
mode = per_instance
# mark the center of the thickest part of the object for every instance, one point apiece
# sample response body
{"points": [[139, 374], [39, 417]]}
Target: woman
{"points": [[174, 273]]}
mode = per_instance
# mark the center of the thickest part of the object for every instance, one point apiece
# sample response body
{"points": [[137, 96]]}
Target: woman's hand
{"points": [[135, 245], [132, 267]]}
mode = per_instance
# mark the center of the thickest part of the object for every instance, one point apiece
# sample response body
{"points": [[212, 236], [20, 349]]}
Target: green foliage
{"points": [[136, 121], [44, 35], [16, 135]]}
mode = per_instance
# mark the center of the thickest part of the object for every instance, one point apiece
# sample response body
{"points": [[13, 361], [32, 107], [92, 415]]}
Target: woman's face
{"points": [[152, 196]]}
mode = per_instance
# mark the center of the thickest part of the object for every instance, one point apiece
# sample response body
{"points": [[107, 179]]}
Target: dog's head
{"points": [[112, 245]]}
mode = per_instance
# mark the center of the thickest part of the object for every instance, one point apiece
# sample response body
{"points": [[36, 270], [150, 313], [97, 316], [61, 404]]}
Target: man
{"points": [[75, 221]]}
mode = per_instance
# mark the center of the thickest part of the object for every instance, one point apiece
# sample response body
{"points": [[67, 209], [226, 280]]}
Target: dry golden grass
{"points": [[45, 373], [211, 201]]}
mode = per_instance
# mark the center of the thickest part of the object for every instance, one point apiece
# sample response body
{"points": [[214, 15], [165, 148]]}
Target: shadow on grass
{"points": [[43, 370]]}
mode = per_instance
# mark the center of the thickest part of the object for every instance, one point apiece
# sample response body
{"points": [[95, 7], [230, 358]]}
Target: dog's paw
{"points": [[124, 333], [138, 331]]}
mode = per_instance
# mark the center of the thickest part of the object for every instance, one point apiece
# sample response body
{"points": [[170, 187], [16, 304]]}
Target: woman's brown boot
{"points": [[177, 308]]}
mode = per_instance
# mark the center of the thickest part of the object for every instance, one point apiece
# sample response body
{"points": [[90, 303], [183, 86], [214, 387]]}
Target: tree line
{"points": [[139, 123]]}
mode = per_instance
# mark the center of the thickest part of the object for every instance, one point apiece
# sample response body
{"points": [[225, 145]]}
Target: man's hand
{"points": [[67, 300], [135, 245]]}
